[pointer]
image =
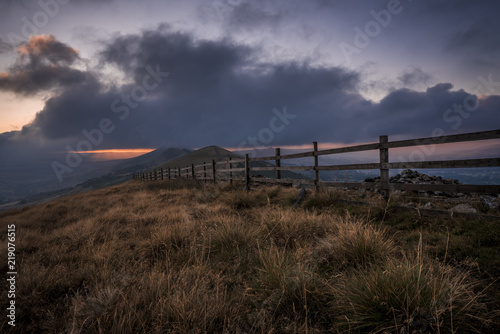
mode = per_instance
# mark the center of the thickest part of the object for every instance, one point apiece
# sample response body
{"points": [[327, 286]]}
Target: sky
{"points": [[81, 75]]}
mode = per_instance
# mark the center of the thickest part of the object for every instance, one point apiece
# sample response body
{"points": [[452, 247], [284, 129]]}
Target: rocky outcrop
{"points": [[414, 177]]}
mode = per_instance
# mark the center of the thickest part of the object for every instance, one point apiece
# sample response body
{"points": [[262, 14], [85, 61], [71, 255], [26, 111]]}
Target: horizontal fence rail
{"points": [[241, 170]]}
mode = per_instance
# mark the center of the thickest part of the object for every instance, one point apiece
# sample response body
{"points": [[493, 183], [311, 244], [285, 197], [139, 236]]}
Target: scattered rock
{"points": [[410, 205], [463, 208], [302, 194], [410, 176], [361, 193], [490, 201], [438, 193], [429, 206]]}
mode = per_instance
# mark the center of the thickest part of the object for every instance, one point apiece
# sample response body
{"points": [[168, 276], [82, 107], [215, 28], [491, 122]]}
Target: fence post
{"points": [[192, 171], [230, 173], [213, 171], [204, 172], [179, 172], [247, 173], [278, 163], [384, 172], [316, 171]]}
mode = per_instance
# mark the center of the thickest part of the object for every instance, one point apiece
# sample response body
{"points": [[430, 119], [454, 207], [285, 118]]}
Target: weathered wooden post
{"points": [[162, 177], [278, 163], [230, 173], [384, 172], [168, 171], [316, 171], [204, 172], [179, 172], [192, 171], [247, 173], [213, 171]]}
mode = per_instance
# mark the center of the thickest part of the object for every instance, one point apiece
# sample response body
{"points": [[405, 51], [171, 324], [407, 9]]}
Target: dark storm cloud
{"points": [[217, 93], [414, 76], [43, 63], [42, 49]]}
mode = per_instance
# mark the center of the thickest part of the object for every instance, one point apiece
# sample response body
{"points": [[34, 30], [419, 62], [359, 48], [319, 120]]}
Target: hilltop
{"points": [[198, 157], [209, 153], [182, 256]]}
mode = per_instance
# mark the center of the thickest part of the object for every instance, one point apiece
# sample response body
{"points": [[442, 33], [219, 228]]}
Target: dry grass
{"points": [[182, 257]]}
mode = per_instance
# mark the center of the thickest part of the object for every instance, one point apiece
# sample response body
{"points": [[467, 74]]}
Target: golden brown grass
{"points": [[182, 257]]}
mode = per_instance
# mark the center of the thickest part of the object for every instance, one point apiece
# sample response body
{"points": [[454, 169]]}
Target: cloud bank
{"points": [[217, 92]]}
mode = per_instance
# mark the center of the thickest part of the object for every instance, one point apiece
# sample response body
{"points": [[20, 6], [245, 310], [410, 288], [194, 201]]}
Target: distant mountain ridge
{"points": [[198, 157], [92, 175], [217, 153]]}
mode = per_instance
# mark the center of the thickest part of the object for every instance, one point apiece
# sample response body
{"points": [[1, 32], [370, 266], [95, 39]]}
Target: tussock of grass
{"points": [[354, 244], [409, 296], [187, 257], [289, 228]]}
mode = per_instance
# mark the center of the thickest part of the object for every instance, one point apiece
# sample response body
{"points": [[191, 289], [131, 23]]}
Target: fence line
{"points": [[224, 170]]}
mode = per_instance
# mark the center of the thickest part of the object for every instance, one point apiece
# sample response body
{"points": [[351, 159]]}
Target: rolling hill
{"points": [[209, 153], [91, 175]]}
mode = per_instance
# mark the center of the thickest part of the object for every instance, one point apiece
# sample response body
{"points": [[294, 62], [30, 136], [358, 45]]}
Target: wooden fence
{"points": [[240, 169]]}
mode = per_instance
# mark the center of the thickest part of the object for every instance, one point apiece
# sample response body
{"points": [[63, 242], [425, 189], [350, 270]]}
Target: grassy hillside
{"points": [[183, 257]]}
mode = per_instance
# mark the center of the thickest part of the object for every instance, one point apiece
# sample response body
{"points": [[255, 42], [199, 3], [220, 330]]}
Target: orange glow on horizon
{"points": [[118, 150], [115, 154]]}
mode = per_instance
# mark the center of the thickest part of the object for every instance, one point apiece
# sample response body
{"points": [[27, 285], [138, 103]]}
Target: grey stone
{"points": [[463, 208], [490, 201], [429, 206]]}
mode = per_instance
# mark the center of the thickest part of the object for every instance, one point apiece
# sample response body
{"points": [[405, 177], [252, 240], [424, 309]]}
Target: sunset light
{"points": [[115, 154]]}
